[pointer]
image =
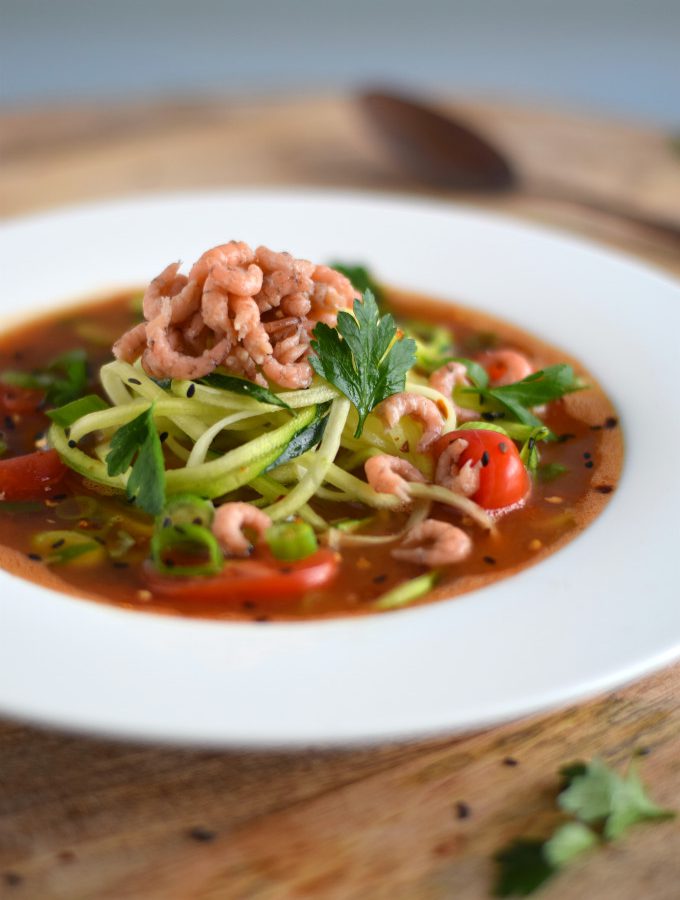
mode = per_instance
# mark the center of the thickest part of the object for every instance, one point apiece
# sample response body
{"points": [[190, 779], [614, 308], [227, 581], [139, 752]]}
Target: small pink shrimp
{"points": [[249, 328], [229, 523], [505, 366], [418, 407], [391, 475], [129, 347], [239, 362], [236, 280], [447, 377], [293, 375], [163, 356], [434, 543], [297, 304], [289, 349], [339, 285], [464, 480], [185, 295], [232, 254]]}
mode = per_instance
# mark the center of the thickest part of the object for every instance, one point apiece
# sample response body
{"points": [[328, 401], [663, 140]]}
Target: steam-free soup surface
{"points": [[576, 476]]}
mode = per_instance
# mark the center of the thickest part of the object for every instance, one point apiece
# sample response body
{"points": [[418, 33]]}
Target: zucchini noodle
{"points": [[322, 461]]}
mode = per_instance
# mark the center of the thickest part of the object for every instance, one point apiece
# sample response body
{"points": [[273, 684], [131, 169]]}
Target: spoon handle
{"points": [[657, 227]]}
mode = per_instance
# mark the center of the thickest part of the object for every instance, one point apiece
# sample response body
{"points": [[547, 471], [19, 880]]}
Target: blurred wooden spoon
{"points": [[444, 152]]}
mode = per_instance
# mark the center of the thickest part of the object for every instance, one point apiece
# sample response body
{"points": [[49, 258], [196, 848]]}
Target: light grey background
{"points": [[621, 57]]}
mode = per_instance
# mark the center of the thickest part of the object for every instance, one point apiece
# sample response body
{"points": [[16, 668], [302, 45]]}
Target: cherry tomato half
{"points": [[503, 478], [19, 399], [30, 477], [250, 579]]}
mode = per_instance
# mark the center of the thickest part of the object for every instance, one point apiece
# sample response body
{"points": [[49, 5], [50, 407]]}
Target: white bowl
{"points": [[601, 611]]}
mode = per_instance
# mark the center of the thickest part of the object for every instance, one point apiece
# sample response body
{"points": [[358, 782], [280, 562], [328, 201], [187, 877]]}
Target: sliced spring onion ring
{"points": [[186, 537], [290, 541]]}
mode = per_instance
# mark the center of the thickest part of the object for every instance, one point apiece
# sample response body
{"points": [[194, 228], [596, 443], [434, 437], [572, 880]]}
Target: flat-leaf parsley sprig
{"points": [[139, 440], [363, 356], [604, 805]]}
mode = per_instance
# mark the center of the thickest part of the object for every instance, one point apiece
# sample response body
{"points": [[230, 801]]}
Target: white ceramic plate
{"points": [[603, 610]]}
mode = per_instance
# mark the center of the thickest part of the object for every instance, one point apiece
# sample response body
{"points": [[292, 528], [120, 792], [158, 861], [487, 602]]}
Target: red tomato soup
{"points": [[441, 493]]}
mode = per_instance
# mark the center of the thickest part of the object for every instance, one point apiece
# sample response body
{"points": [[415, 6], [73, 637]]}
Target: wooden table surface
{"points": [[82, 818]]}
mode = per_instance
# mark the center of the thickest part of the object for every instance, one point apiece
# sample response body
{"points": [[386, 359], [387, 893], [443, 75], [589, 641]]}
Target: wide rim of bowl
{"points": [[449, 640]]}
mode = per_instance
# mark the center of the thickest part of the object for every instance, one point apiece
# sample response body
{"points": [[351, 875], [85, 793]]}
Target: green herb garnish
{"points": [[71, 412], [517, 399], [602, 795], [244, 388], [604, 805], [139, 440], [63, 379], [306, 439], [362, 356]]}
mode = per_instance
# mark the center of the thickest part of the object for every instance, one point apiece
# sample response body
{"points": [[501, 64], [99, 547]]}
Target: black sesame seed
{"points": [[510, 761], [67, 430], [379, 579], [167, 522], [643, 751], [489, 560], [119, 564], [503, 447], [9, 423], [199, 833], [59, 543], [596, 428], [36, 556], [587, 455], [567, 436], [134, 381], [491, 416], [197, 521], [163, 436], [72, 444], [191, 390], [604, 488], [531, 443], [462, 810], [485, 458], [589, 464], [611, 422]]}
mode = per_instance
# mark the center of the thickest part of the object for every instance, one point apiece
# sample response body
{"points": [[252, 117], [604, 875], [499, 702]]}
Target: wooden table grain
{"points": [[83, 818]]}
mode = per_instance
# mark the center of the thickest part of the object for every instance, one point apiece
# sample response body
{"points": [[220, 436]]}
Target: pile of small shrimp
{"points": [[250, 311]]}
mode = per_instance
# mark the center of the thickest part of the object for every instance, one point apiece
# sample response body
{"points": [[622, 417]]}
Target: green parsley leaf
{"points": [[146, 482], [64, 378], [76, 409], [306, 439], [362, 356], [518, 398], [568, 842], [476, 373], [361, 279], [522, 868], [602, 795], [70, 377], [243, 388]]}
